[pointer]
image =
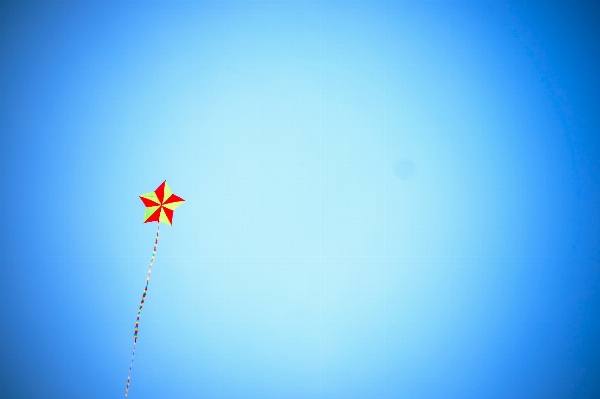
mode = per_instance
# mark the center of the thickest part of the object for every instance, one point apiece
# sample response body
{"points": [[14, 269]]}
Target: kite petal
{"points": [[154, 215], [173, 202], [149, 211], [150, 196], [172, 206], [160, 192], [148, 202], [173, 198], [167, 193], [166, 216]]}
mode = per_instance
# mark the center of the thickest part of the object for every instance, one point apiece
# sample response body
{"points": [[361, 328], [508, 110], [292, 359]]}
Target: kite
{"points": [[160, 205]]}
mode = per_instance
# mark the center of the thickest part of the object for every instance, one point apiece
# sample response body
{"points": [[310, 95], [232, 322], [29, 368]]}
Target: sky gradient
{"points": [[384, 200]]}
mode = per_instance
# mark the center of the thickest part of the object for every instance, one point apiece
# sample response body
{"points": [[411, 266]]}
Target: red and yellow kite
{"points": [[160, 204]]}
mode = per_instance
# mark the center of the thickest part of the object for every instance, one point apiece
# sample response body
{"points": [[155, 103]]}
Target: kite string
{"points": [[137, 320]]}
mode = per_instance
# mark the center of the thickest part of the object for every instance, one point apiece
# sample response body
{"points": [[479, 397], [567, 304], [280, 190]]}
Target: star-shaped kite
{"points": [[160, 204]]}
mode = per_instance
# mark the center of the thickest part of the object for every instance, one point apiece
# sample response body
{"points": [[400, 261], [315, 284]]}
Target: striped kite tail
{"points": [[137, 320]]}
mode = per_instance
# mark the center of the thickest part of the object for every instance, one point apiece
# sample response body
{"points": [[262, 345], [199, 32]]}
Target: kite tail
{"points": [[137, 320]]}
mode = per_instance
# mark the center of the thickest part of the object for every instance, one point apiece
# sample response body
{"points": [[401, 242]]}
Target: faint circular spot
{"points": [[404, 169]]}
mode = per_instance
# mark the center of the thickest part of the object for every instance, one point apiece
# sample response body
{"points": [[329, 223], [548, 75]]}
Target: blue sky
{"points": [[387, 200]]}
